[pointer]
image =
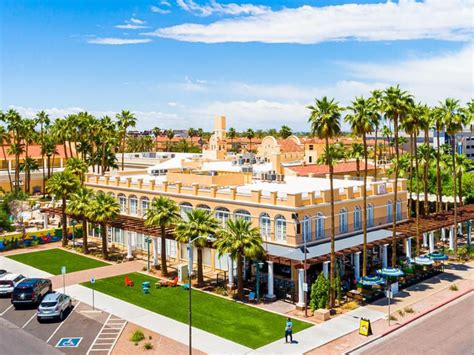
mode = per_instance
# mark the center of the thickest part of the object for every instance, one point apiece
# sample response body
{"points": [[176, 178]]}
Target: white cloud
{"points": [[405, 20], [129, 26], [137, 21], [165, 3], [213, 7], [117, 41], [159, 10]]}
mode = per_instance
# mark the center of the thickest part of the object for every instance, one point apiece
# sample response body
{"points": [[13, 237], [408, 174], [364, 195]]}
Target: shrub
{"points": [[463, 253], [148, 346], [453, 287], [137, 336], [338, 286], [392, 317], [401, 313], [220, 291], [409, 310], [319, 293]]}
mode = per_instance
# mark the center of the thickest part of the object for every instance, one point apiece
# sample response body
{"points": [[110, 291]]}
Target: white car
{"points": [[8, 282]]}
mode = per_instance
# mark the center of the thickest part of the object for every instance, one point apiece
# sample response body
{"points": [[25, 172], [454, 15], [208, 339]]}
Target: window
{"points": [[133, 204], [222, 215], [343, 221], [357, 219], [306, 228], [265, 225], [310, 159], [311, 147], [370, 215], [204, 208], [319, 226], [245, 215], [184, 208], [280, 228], [145, 205], [122, 203], [389, 212], [399, 210]]}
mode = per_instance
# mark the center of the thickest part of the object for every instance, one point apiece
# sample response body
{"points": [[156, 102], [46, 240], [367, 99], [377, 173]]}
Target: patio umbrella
{"points": [[438, 256], [389, 271], [371, 281], [423, 260]]}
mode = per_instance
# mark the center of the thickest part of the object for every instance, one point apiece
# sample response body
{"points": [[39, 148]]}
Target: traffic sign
{"points": [[92, 280], [68, 342], [63, 270]]}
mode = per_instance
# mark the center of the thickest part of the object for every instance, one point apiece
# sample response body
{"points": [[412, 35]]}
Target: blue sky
{"points": [[178, 63]]}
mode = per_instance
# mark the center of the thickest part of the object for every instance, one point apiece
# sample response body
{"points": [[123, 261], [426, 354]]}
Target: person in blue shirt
{"points": [[289, 330]]}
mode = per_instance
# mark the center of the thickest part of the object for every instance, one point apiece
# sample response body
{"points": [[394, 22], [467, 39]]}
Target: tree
{"points": [[62, 185], [5, 140], [387, 133], [27, 166], [285, 132], [102, 209], [357, 153], [439, 126], [78, 167], [232, 134], [125, 119], [44, 122], [198, 226], [14, 124], [163, 212], [319, 293], [325, 124], [376, 118], [78, 206], [362, 124], [240, 239], [396, 105], [170, 136], [249, 134]]}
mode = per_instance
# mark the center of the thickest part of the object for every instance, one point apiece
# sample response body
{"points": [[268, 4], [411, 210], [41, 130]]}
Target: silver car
{"points": [[54, 305]]}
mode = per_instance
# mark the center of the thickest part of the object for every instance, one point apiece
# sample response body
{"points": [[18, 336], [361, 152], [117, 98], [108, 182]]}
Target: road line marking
{"points": [[64, 321], [100, 331], [5, 311], [117, 338], [28, 321]]}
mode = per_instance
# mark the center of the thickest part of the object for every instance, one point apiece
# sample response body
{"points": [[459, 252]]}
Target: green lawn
{"points": [[234, 321], [52, 260]]}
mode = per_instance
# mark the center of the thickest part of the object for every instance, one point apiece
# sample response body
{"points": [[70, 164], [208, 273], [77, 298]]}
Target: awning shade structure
{"points": [[437, 256], [390, 272], [423, 260], [371, 281]]}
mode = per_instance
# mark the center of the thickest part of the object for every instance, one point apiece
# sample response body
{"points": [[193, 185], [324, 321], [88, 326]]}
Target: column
{"points": [[408, 248], [385, 256], [270, 294], [155, 251], [129, 246], [459, 228], [357, 265], [443, 234], [451, 238], [230, 269], [301, 302], [425, 240], [469, 231], [432, 242], [45, 221], [326, 269]]}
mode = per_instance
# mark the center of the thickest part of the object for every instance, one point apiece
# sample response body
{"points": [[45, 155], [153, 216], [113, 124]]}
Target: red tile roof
{"points": [[34, 151], [339, 168], [289, 146]]}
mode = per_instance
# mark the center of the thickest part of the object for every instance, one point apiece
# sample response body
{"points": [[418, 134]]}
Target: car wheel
{"points": [[61, 316], [39, 320]]}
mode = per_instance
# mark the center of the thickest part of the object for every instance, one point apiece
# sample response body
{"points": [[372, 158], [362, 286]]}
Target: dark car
{"points": [[30, 292]]}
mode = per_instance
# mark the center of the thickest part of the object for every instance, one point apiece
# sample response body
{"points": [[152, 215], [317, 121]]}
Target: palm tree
{"points": [[387, 133], [15, 125], [78, 167], [163, 212], [170, 136], [62, 185], [125, 119], [102, 209], [439, 125], [240, 239], [78, 206], [249, 134], [362, 124], [426, 121], [463, 164], [396, 104], [285, 132], [27, 166], [198, 226], [5, 140], [231, 133], [325, 124], [376, 118], [42, 118], [357, 153]]}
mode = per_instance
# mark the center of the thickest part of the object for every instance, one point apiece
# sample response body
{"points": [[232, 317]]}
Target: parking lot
{"points": [[88, 331]]}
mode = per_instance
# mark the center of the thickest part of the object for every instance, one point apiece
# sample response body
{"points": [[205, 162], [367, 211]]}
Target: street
{"points": [[447, 330]]}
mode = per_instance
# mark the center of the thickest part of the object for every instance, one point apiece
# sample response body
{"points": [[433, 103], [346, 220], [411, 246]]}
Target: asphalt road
{"points": [[448, 330]]}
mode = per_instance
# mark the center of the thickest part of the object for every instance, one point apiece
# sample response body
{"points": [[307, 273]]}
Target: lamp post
{"points": [[148, 242], [258, 267], [73, 223]]}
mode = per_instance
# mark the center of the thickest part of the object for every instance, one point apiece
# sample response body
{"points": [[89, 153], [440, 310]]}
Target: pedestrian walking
{"points": [[289, 330]]}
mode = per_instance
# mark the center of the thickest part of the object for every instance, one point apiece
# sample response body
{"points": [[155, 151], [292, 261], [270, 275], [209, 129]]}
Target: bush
{"points": [[392, 317], [221, 291], [464, 253], [453, 287], [137, 336], [409, 310], [148, 346], [319, 293], [401, 313]]}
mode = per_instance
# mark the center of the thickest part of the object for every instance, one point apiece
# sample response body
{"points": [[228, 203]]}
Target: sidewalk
{"points": [[203, 341], [16, 267]]}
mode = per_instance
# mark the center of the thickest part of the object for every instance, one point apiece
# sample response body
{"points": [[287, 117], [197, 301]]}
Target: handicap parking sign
{"points": [[68, 342]]}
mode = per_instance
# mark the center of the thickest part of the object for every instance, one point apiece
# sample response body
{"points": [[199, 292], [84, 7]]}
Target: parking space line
{"points": [[64, 321], [5, 311], [93, 343], [29, 320]]}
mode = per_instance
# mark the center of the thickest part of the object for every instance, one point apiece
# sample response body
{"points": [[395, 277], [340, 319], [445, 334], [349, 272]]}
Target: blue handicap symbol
{"points": [[68, 342]]}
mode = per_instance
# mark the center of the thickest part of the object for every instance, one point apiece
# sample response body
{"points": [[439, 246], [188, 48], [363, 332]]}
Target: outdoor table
{"points": [[146, 284]]}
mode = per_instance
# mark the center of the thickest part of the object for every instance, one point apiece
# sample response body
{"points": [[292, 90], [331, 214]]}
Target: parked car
{"points": [[53, 305], [30, 291], [8, 282]]}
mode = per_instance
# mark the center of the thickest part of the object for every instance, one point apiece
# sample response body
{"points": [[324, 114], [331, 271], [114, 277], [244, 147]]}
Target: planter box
{"points": [[322, 315]]}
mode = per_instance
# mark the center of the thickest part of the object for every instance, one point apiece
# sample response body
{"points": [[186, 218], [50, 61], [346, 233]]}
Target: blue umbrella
{"points": [[371, 281], [423, 260], [438, 256], [389, 271]]}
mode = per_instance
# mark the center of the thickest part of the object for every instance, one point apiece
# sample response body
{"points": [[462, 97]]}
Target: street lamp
{"points": [[73, 223], [148, 242], [190, 274], [258, 267]]}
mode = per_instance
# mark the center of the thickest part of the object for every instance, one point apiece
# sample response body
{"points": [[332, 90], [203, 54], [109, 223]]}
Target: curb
{"points": [[429, 310]]}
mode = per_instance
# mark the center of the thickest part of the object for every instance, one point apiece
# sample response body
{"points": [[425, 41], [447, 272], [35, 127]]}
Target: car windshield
{"points": [[48, 304], [23, 289]]}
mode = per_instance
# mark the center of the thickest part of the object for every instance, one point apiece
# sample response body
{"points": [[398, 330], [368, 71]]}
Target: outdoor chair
{"points": [[146, 290], [173, 283], [128, 282], [252, 296], [186, 286]]}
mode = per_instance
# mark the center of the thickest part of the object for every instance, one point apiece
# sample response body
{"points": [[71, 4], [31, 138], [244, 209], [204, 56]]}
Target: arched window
{"points": [[399, 210], [122, 203], [265, 225], [280, 228], [389, 212], [319, 226], [245, 215], [306, 228], [204, 208], [133, 203], [145, 202], [184, 208], [222, 215], [357, 219], [342, 221], [370, 215]]}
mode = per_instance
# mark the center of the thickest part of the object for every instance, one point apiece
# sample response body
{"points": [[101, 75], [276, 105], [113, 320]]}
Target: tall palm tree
{"points": [[199, 224], [426, 122], [5, 140], [78, 167], [249, 134], [285, 132], [240, 239], [62, 185], [396, 104], [376, 118], [232, 134], [325, 124], [387, 133], [357, 153], [170, 136], [15, 125], [439, 125], [361, 124], [126, 119], [27, 166], [463, 164], [42, 118], [102, 209], [78, 206], [163, 212]]}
